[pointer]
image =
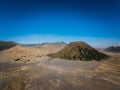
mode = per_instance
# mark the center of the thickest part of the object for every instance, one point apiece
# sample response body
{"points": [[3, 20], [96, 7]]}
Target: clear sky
{"points": [[34, 21]]}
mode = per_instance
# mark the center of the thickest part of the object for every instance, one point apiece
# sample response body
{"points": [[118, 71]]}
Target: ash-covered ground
{"points": [[56, 74]]}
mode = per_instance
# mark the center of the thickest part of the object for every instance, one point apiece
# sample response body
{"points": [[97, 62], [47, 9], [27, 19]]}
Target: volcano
{"points": [[79, 51]]}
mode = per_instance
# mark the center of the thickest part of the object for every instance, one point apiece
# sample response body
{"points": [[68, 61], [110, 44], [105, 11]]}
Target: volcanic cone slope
{"points": [[79, 51]]}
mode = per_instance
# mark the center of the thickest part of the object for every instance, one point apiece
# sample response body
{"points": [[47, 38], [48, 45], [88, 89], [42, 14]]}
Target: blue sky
{"points": [[35, 21]]}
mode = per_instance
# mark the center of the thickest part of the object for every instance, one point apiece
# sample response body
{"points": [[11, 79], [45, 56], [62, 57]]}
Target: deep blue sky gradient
{"points": [[91, 18]]}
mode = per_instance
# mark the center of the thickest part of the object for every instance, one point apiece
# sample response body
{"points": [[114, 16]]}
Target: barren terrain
{"points": [[34, 72]]}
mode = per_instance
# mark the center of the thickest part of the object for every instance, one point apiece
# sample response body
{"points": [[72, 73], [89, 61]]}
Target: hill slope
{"points": [[79, 51], [6, 45], [21, 52]]}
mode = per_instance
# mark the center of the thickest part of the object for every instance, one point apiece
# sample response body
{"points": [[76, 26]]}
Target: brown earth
{"points": [[79, 51], [57, 74], [22, 53], [44, 73]]}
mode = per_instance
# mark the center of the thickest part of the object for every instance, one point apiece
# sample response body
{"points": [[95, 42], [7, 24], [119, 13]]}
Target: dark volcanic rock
{"points": [[79, 51]]}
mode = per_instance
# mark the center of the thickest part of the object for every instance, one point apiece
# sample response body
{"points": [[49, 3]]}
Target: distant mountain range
{"points": [[6, 45], [115, 49], [46, 43]]}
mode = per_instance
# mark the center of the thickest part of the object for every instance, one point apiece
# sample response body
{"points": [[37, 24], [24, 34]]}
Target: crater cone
{"points": [[79, 51]]}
